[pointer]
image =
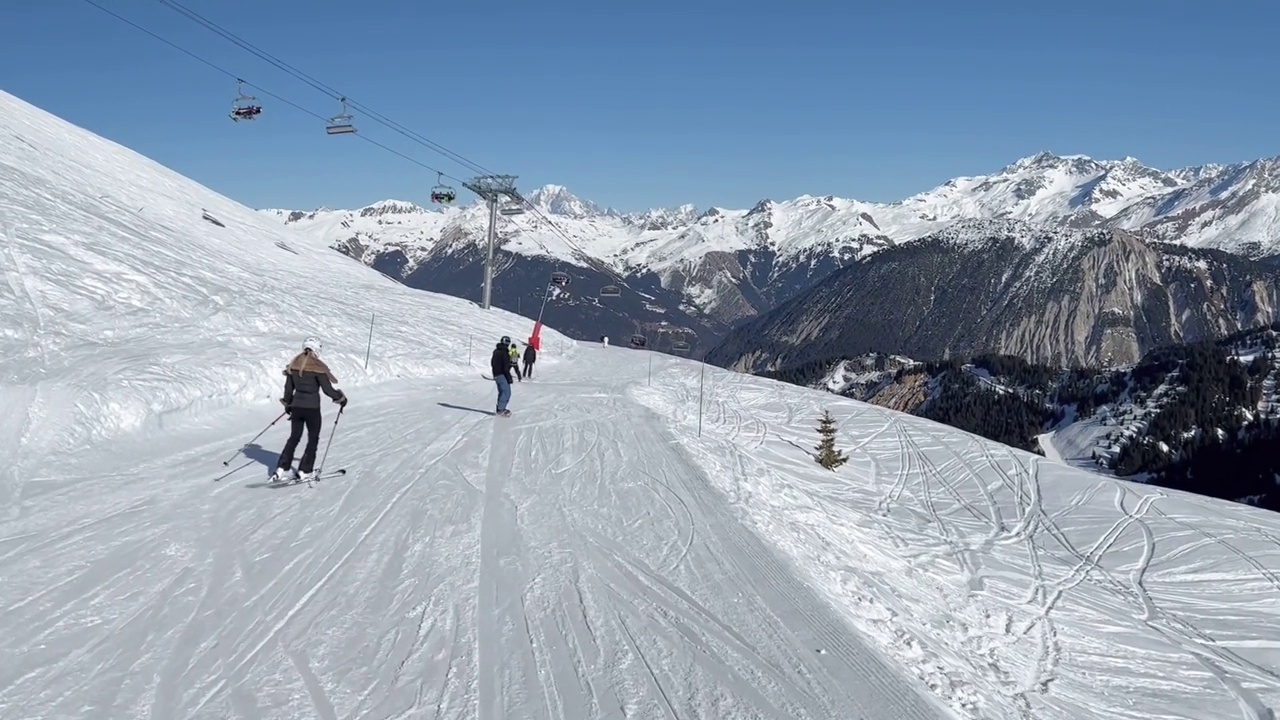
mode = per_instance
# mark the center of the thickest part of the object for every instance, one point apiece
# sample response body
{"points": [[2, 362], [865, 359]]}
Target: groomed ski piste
{"points": [[615, 549]]}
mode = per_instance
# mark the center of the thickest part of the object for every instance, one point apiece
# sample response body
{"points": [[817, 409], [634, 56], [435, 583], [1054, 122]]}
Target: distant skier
{"points": [[515, 361], [530, 356], [304, 379], [500, 364], [604, 341]]}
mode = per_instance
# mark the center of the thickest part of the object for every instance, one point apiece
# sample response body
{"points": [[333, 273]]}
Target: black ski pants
{"points": [[528, 368], [300, 418]]}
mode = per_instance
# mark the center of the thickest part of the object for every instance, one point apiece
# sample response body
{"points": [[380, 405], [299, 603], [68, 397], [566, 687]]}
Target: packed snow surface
{"points": [[645, 537], [592, 556], [1012, 585]]}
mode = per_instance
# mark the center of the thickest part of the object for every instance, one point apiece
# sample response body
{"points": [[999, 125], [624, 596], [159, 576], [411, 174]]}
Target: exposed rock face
{"points": [[1058, 296], [685, 278], [906, 396]]}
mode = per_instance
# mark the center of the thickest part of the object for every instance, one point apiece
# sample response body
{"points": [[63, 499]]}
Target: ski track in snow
{"points": [[469, 567], [573, 561], [1010, 587]]}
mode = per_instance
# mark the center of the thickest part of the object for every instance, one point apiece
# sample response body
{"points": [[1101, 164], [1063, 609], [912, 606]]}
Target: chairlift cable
{"points": [[317, 85], [322, 87], [263, 90], [596, 264], [533, 237]]}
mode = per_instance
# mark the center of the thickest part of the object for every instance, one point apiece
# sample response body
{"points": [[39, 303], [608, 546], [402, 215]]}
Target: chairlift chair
{"points": [[511, 209], [560, 279], [638, 341], [610, 291], [244, 107], [245, 112], [340, 124], [442, 194]]}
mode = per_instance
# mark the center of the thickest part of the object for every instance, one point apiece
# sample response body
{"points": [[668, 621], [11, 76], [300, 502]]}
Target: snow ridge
{"points": [[1232, 207]]}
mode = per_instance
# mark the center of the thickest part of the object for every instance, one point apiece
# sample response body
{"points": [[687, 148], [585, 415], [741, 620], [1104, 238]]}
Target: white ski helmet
{"points": [[313, 344]]}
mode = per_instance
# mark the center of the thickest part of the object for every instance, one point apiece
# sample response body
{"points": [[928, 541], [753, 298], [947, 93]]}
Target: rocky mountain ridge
{"points": [[709, 269], [1093, 297]]}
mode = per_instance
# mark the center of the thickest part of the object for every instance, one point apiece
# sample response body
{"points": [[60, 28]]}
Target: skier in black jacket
{"points": [[305, 378], [530, 355], [500, 363]]}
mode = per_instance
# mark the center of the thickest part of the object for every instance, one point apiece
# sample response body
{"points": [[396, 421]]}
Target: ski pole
{"points": [[325, 456], [255, 437]]}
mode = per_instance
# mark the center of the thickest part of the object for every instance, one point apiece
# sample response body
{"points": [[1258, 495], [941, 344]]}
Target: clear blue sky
{"points": [[637, 105]]}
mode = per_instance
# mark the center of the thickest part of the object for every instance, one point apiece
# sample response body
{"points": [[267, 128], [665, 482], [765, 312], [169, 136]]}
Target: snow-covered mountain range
{"points": [[1060, 295], [704, 270], [625, 545]]}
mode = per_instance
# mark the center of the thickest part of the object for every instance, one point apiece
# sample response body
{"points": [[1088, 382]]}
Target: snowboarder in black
{"points": [[500, 364], [530, 355], [304, 379]]}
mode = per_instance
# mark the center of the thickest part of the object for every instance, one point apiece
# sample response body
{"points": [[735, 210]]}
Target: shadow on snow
{"points": [[460, 407]]}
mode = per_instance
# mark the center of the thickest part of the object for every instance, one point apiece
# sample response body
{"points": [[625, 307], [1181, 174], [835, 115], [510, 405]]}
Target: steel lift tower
{"points": [[492, 188]]}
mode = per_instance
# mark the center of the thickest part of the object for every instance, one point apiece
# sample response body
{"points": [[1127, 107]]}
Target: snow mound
{"points": [[1011, 585], [135, 295]]}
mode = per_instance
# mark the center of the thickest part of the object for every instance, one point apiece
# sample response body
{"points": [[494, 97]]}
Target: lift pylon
{"points": [[493, 188]]}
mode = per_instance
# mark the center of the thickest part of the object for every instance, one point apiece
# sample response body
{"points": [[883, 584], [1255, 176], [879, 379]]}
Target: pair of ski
{"points": [[311, 482]]}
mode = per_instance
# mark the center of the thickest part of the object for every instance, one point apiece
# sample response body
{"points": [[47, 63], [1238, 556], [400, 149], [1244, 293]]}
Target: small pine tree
{"points": [[828, 456]]}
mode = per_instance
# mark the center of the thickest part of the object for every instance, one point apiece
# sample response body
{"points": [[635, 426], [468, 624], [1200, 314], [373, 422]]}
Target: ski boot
{"points": [[284, 475]]}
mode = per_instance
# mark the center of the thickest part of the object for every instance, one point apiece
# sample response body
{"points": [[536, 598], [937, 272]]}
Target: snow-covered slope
{"points": [[133, 295], [1043, 188], [1236, 208], [1013, 586], [459, 568], [618, 548], [600, 555]]}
